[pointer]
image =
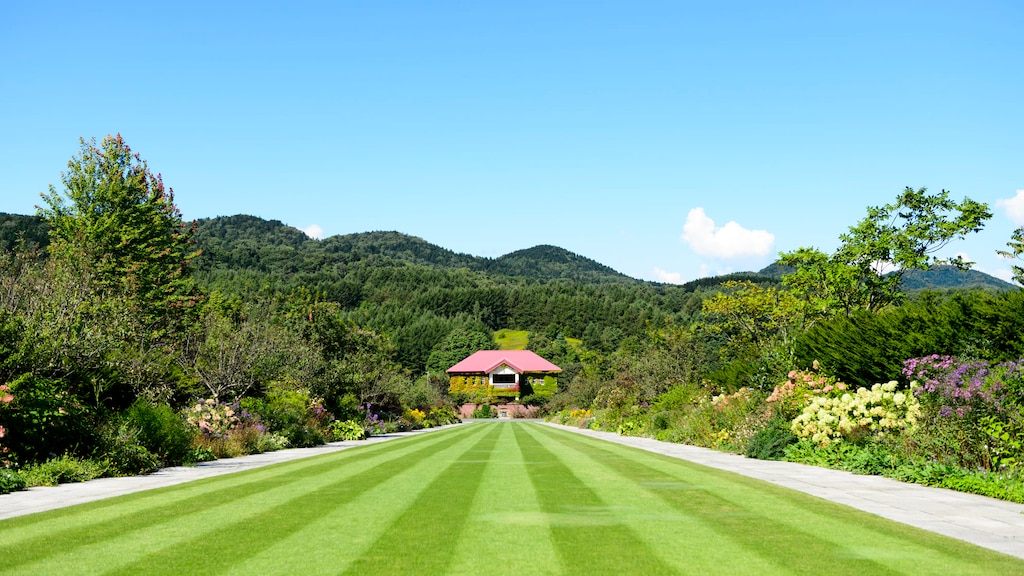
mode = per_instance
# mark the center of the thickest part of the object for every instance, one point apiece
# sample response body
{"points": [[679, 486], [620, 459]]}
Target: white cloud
{"points": [[314, 231], [668, 277], [1014, 208], [729, 241], [1004, 274]]}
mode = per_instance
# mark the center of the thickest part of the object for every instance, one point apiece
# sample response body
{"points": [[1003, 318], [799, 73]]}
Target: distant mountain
{"points": [[250, 242], [951, 278], [397, 247], [551, 262], [938, 278]]}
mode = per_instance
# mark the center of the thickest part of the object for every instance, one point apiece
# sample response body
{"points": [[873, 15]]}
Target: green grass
{"points": [[512, 339], [495, 498]]}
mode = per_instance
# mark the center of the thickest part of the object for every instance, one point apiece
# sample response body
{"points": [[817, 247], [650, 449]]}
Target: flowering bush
{"points": [[978, 405], [960, 388], [415, 416], [877, 411], [213, 418], [723, 400], [788, 399]]}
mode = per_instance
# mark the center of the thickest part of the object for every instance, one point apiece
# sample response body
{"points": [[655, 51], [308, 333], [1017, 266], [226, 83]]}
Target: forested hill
{"points": [[550, 263], [28, 231], [941, 277], [244, 242], [248, 242]]}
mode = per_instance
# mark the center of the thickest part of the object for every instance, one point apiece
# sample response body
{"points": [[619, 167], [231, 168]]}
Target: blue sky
{"points": [[668, 140]]}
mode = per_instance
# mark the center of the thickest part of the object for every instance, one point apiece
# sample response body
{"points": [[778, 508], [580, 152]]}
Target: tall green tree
{"points": [[903, 235], [115, 214]]}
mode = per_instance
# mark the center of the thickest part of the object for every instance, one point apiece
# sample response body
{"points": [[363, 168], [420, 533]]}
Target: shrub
{"points": [[770, 442], [43, 418], [10, 481], [63, 469], [990, 484], [292, 414], [5, 398], [212, 418], [161, 431], [857, 416], [120, 445], [976, 403], [347, 430], [441, 416], [789, 398], [415, 416]]}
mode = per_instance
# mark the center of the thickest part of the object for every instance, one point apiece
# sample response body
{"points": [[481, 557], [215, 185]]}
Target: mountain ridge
{"points": [[261, 244]]}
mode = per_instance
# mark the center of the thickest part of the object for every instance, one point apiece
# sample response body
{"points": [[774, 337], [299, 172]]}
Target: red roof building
{"points": [[504, 372]]}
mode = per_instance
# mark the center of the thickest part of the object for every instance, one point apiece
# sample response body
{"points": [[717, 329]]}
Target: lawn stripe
{"points": [[835, 537], [646, 514], [587, 536], [170, 525], [421, 540], [190, 496], [332, 543], [218, 548], [506, 527]]}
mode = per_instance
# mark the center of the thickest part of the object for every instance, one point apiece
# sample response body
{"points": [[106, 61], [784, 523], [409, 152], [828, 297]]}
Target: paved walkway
{"points": [[986, 522]]}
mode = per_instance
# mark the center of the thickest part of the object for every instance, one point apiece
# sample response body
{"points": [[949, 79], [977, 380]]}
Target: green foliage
{"points": [[1016, 245], [770, 442], [116, 215], [63, 469], [120, 445], [864, 348], [346, 430], [24, 234], [993, 485], [751, 313], [11, 481], [292, 414], [43, 419], [484, 411], [459, 344], [904, 234], [161, 431], [441, 416]]}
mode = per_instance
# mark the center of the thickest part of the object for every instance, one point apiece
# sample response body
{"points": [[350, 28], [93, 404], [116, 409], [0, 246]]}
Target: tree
{"points": [[1016, 245], [116, 215], [903, 235], [459, 344], [755, 314]]}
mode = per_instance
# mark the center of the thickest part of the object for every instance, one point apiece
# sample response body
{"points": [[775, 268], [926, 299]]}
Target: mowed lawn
{"points": [[483, 498]]}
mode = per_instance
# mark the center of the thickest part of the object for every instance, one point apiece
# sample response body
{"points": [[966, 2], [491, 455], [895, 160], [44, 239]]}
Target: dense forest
{"points": [[131, 339]]}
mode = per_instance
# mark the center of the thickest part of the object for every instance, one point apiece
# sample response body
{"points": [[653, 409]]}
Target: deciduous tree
{"points": [[903, 235]]}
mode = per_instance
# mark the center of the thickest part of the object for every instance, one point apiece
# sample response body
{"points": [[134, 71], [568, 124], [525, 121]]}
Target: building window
{"points": [[504, 378]]}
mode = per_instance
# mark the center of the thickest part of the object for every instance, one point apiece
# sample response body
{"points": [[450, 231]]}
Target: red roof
{"points": [[486, 361]]}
